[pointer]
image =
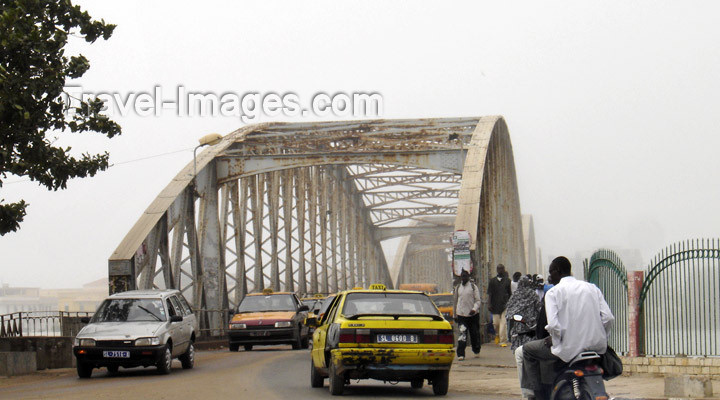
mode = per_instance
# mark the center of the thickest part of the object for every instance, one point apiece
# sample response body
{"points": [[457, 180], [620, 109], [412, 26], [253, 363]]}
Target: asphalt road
{"points": [[266, 373]]}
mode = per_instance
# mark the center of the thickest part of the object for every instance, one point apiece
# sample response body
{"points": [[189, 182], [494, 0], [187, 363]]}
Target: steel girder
{"points": [[303, 207]]}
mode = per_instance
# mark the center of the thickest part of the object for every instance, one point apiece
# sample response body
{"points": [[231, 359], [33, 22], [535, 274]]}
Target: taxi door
{"points": [[320, 335]]}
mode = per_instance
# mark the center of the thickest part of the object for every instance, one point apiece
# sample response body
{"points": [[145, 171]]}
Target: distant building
{"points": [[87, 298], [16, 299]]}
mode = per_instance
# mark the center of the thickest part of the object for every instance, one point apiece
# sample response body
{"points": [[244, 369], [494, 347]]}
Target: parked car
{"points": [[269, 318], [137, 328], [388, 335]]}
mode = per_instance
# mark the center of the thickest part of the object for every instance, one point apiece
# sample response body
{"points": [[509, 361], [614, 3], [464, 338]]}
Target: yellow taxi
{"points": [[269, 318], [314, 302], [444, 303], [388, 335]]}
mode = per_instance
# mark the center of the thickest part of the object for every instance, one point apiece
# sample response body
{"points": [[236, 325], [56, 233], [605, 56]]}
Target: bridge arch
{"points": [[304, 207]]}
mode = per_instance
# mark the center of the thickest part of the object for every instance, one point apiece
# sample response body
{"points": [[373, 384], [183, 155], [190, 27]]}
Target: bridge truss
{"points": [[304, 207]]}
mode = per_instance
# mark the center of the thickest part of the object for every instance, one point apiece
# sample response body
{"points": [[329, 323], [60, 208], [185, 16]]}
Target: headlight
{"points": [[147, 341], [283, 324], [238, 326], [85, 342]]}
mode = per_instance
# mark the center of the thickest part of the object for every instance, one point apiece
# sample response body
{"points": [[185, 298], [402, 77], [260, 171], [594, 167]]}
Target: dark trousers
{"points": [[472, 326], [538, 365]]}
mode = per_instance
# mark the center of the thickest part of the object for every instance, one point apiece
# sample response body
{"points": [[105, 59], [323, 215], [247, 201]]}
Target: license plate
{"points": [[397, 338], [263, 333], [116, 354]]}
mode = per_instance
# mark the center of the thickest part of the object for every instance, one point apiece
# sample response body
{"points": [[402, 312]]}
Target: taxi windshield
{"points": [[130, 310], [443, 300], [275, 302], [382, 303]]}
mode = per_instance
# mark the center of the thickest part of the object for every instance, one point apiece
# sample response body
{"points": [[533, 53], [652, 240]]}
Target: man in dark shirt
{"points": [[498, 295]]}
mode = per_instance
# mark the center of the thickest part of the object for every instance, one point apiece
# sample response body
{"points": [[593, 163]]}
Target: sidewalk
{"points": [[495, 373]]}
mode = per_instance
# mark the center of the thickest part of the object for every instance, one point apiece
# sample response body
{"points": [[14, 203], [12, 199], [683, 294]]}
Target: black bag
{"points": [[611, 364]]}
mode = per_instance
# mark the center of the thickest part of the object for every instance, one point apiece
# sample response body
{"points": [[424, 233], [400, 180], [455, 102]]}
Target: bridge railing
{"points": [[41, 323]]}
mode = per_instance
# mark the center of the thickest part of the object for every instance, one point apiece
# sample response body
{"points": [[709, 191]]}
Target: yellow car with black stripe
{"points": [[388, 335]]}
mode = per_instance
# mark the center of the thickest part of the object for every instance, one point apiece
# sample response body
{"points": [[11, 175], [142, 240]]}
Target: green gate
{"points": [[679, 301], [606, 270]]}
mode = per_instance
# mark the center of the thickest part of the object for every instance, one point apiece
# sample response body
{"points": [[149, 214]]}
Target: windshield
{"points": [[309, 302], [445, 300], [388, 303], [275, 302], [130, 310]]}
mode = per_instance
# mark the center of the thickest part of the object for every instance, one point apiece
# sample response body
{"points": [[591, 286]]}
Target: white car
{"points": [[137, 328]]}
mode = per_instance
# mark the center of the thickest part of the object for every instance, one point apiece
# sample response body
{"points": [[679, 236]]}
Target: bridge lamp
{"points": [[207, 140]]}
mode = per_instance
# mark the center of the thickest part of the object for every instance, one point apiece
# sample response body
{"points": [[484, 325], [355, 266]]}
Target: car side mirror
{"points": [[85, 320], [176, 318], [303, 308], [312, 321]]}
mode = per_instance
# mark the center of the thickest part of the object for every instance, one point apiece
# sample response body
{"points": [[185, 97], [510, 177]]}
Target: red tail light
{"points": [[347, 336], [354, 336], [446, 338], [362, 336], [436, 336]]}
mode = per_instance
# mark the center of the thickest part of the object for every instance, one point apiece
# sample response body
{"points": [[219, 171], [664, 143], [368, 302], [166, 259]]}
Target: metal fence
{"points": [[680, 301], [64, 323], [606, 270], [41, 323]]}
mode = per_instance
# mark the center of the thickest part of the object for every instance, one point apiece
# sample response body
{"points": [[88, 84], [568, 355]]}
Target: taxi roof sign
{"points": [[267, 291], [378, 286]]}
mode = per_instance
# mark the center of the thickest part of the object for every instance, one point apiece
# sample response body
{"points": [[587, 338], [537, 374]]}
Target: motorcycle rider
{"points": [[578, 319]]}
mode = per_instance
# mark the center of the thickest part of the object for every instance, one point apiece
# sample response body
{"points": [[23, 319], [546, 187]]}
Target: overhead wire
{"points": [[118, 163]]}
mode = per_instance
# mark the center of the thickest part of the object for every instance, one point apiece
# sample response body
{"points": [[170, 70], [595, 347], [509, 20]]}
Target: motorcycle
{"points": [[580, 379]]}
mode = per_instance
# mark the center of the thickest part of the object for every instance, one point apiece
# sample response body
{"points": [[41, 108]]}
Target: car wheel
{"points": [[188, 358], [316, 380], [112, 369], [84, 370], [234, 347], [165, 362], [416, 383], [248, 347], [337, 381], [441, 382]]}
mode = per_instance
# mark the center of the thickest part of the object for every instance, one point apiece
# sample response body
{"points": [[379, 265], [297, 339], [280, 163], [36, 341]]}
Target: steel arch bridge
{"points": [[304, 207]]}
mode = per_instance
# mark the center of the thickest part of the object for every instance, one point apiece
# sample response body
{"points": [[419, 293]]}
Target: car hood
{"points": [[120, 330], [263, 318]]}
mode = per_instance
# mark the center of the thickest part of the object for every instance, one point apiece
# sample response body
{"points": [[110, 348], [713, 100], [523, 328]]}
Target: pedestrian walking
{"points": [[466, 308], [515, 280], [498, 295], [523, 302]]}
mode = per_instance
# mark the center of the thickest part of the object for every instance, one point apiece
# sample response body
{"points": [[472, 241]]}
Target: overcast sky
{"points": [[612, 108]]}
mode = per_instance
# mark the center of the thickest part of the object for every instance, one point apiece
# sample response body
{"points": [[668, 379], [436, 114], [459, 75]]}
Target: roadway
{"points": [[267, 373]]}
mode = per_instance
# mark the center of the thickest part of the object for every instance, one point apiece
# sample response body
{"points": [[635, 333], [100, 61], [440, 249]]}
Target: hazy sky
{"points": [[612, 109]]}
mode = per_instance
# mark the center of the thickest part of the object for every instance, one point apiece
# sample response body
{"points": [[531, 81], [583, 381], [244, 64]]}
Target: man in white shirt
{"points": [[579, 320], [467, 305]]}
